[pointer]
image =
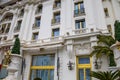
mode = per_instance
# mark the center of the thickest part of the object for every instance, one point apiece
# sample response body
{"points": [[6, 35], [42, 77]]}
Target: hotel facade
{"points": [[56, 36]]}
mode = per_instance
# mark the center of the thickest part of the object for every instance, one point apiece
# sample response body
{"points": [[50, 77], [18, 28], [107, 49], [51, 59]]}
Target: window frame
{"points": [[83, 66], [49, 68]]}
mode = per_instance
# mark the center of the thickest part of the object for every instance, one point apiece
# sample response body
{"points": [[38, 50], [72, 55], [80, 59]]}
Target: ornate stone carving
{"points": [[82, 49]]}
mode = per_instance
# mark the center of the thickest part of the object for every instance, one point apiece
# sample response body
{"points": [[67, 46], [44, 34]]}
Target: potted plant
{"points": [[16, 58]]}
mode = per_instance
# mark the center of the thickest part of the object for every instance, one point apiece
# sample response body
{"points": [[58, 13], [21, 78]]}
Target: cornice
{"points": [[21, 4]]}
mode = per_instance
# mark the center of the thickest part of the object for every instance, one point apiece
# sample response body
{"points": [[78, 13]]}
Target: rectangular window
{"points": [[17, 28], [56, 18], [35, 36], [55, 32], [39, 9], [79, 24], [83, 66], [8, 28], [84, 60], [79, 8], [43, 67], [109, 28], [37, 21], [106, 12], [57, 4]]}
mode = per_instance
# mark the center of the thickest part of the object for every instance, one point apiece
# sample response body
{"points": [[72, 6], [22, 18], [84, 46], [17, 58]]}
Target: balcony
{"points": [[80, 31], [51, 40], [55, 21], [79, 12]]}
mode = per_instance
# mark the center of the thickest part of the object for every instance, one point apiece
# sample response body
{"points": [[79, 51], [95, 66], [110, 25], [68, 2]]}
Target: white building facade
{"points": [[56, 36]]}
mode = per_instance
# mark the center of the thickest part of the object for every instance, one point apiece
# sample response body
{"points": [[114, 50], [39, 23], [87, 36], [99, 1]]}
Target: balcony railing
{"points": [[57, 6], [55, 21], [80, 31], [47, 40], [79, 12]]}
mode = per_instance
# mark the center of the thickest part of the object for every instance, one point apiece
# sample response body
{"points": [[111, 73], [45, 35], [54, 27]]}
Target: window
{"points": [[109, 28], [79, 24], [17, 28], [5, 38], [37, 21], [0, 38], [79, 8], [106, 12], [21, 13], [8, 28], [35, 36], [42, 67], [56, 18], [55, 32], [83, 66], [3, 28], [39, 9], [57, 4]]}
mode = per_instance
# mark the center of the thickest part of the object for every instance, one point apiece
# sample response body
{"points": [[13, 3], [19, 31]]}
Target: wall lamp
{"points": [[70, 65]]}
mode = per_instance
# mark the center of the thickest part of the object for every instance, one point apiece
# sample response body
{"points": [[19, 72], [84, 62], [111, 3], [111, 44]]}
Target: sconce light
{"points": [[70, 65], [97, 64]]}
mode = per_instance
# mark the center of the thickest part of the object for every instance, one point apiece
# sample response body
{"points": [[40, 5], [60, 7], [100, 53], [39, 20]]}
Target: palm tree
{"points": [[108, 75], [103, 48]]}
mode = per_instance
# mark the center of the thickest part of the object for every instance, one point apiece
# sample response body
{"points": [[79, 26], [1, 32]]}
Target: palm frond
{"points": [[107, 40], [107, 75]]}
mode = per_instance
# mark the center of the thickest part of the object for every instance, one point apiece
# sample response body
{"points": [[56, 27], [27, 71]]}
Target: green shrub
{"points": [[16, 47]]}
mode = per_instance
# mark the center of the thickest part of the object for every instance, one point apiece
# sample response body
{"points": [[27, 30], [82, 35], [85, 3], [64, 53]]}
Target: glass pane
{"points": [[81, 74], [84, 60], [44, 60], [87, 74], [51, 74], [83, 24], [56, 32], [77, 25], [43, 74], [3, 73]]}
